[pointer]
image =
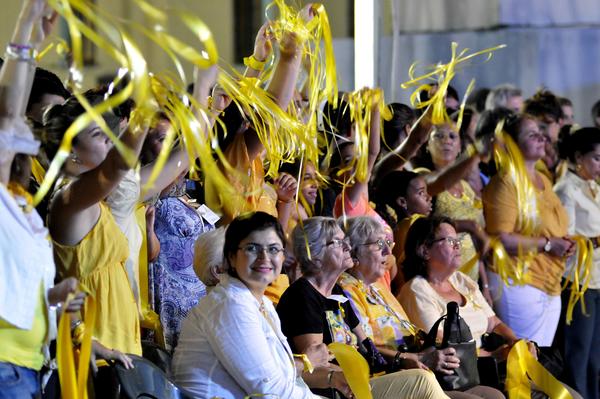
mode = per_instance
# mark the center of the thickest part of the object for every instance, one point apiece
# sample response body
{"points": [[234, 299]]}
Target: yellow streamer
{"points": [[443, 75], [522, 367], [73, 385], [355, 368], [580, 276]]}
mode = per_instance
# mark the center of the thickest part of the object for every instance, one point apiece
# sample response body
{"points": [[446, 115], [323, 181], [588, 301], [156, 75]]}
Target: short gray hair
{"points": [[309, 239], [208, 253], [358, 229], [498, 97]]}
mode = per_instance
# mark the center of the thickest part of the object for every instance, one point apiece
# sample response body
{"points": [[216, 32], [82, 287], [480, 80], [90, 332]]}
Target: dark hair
{"points": [[468, 115], [581, 141], [402, 115], [336, 121], [513, 122], [244, 225], [544, 104], [60, 116], [390, 187], [421, 232], [596, 111], [488, 120], [565, 102], [45, 83], [477, 99]]}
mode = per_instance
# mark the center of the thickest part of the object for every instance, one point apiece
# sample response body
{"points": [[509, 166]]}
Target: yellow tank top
{"points": [[24, 347], [98, 262]]}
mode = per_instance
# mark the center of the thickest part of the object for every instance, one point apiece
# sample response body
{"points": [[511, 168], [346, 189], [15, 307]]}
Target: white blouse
{"points": [[26, 259], [581, 199], [424, 306], [228, 349]]}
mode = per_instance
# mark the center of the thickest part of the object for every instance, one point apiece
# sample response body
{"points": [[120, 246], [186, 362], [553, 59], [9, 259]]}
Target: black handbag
{"points": [[457, 335]]}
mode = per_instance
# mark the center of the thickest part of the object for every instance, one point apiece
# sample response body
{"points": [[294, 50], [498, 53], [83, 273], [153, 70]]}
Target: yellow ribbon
{"points": [[355, 368], [443, 75], [308, 366], [580, 275], [523, 370], [73, 385]]}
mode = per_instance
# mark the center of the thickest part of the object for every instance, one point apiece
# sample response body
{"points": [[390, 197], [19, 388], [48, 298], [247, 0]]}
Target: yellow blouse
{"points": [[24, 347], [467, 207], [500, 205], [381, 316], [251, 191], [98, 262]]}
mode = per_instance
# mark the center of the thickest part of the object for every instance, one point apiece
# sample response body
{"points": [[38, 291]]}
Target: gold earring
{"points": [[75, 159]]}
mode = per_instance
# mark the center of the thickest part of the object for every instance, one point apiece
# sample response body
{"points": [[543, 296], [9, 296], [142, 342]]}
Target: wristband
{"points": [[253, 63], [21, 52]]}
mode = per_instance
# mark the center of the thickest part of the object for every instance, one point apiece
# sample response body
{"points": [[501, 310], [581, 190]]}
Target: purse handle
{"points": [[451, 308]]}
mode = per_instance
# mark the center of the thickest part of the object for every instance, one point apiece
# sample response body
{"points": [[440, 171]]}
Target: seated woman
{"points": [[314, 309], [231, 344], [381, 316], [431, 264]]}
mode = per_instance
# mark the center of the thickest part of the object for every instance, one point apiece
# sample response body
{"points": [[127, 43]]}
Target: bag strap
{"points": [[432, 334]]}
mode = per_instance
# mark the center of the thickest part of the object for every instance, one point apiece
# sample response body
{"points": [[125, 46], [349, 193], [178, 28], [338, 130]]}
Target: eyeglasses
{"points": [[454, 242], [336, 243], [255, 249], [381, 244]]}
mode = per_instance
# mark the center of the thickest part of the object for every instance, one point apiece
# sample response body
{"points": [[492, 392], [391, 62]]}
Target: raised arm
{"points": [[282, 85], [354, 191], [16, 78], [178, 160], [73, 211], [438, 182]]}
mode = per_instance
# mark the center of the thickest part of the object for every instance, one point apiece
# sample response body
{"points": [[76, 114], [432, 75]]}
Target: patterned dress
{"points": [[176, 288]]}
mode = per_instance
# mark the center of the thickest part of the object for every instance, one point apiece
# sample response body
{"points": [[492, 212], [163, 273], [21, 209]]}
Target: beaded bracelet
{"points": [[21, 52]]}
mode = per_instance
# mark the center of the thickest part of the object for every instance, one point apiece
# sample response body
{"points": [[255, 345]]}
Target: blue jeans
{"points": [[18, 382], [582, 347]]}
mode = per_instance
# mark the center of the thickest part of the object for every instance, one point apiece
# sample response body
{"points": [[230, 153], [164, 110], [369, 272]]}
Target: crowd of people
{"points": [[248, 292]]}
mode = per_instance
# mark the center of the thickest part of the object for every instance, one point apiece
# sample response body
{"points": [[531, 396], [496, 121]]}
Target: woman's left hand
{"points": [[318, 355], [441, 360]]}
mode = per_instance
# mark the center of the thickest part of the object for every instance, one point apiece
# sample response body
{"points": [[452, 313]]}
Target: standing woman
{"points": [[580, 195], [88, 244], [531, 310]]}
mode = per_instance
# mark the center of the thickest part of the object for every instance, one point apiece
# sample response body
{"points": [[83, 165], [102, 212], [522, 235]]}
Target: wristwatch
{"points": [[548, 245]]}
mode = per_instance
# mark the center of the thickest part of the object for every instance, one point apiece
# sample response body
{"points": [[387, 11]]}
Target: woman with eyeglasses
{"points": [[231, 345], [431, 266], [381, 316], [432, 262], [533, 226], [314, 310]]}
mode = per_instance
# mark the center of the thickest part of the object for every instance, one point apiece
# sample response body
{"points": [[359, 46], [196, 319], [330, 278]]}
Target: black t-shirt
{"points": [[303, 310]]}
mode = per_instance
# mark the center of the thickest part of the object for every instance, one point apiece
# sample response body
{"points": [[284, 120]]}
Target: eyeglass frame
{"points": [[454, 242], [380, 243], [261, 249], [337, 243]]}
